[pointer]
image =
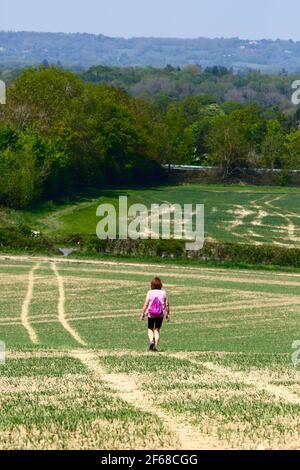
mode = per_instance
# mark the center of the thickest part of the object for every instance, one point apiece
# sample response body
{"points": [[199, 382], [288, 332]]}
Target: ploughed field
{"points": [[78, 374]]}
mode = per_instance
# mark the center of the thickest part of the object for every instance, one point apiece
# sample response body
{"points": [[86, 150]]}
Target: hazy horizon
{"points": [[150, 37], [255, 20]]}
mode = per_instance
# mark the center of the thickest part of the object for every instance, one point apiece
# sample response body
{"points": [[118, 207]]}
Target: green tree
{"points": [[273, 145], [228, 146], [291, 155]]}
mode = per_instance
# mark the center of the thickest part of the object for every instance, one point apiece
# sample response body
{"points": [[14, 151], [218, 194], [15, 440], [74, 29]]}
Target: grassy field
{"points": [[78, 374], [232, 213]]}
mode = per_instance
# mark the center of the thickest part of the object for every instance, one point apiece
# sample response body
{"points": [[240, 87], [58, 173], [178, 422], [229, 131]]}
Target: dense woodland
{"points": [[162, 85], [60, 133], [172, 84]]}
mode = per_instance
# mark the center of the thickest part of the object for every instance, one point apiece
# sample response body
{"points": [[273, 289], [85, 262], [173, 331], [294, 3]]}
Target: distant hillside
{"points": [[85, 50]]}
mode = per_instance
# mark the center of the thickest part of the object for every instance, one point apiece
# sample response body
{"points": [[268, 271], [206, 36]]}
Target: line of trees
{"points": [[59, 134]]}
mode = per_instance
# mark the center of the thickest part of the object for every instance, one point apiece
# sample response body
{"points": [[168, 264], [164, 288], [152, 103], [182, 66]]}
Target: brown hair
{"points": [[156, 283]]}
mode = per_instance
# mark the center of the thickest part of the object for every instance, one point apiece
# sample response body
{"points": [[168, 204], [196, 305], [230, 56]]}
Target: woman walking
{"points": [[155, 308]]}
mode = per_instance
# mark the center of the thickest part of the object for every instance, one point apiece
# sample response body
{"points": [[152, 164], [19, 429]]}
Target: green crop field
{"points": [[236, 213], [78, 374]]}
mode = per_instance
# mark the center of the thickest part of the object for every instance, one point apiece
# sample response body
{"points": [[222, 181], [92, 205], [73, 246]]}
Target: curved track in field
{"points": [[26, 305]]}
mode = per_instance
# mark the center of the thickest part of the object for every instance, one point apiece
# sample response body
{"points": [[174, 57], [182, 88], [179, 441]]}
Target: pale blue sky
{"points": [[254, 19]]}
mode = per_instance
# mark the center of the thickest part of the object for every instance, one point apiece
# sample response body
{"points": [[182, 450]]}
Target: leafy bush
{"points": [[22, 238]]}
